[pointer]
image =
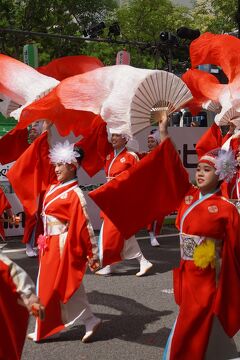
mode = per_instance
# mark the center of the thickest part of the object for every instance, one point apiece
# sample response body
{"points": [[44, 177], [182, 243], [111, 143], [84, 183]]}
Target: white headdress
{"points": [[223, 161], [118, 132], [64, 153], [225, 165]]}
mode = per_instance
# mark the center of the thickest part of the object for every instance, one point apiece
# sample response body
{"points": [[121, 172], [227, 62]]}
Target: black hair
{"points": [[153, 131], [80, 153]]}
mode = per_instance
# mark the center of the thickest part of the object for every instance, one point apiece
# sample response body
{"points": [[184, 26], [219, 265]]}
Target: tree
{"points": [[141, 21], [51, 16], [144, 20], [216, 16]]}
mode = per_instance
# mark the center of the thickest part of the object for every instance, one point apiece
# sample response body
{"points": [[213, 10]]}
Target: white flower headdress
{"points": [[225, 165], [64, 153], [223, 161]]}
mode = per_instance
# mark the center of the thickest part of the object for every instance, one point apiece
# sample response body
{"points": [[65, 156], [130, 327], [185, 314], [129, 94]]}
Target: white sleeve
{"points": [[24, 284]]}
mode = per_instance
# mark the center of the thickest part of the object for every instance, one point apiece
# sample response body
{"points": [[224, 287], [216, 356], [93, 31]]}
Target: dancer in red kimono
{"points": [[66, 247], [207, 282], [209, 259], [17, 300], [116, 247]]}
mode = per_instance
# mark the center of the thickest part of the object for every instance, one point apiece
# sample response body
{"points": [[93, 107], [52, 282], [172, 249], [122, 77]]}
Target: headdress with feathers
{"points": [[223, 161], [66, 153]]}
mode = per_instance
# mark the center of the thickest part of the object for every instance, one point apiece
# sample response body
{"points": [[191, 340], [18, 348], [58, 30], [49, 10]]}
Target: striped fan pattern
{"points": [[212, 105], [224, 118], [160, 90], [7, 105]]}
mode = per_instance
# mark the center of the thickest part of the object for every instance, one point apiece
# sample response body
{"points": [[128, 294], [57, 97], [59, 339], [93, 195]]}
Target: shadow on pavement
{"points": [[130, 325]]}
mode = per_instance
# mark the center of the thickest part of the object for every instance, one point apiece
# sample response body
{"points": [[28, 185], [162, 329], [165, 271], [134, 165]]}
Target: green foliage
{"points": [[144, 20], [141, 22], [216, 16], [50, 16]]}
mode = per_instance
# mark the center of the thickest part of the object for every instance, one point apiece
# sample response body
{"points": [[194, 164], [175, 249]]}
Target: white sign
{"points": [[3, 171]]}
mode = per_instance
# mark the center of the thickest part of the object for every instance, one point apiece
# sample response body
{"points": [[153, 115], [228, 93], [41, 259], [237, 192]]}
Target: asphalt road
{"points": [[137, 313]]}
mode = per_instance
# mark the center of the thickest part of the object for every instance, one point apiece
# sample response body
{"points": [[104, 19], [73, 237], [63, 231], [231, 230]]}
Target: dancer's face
{"points": [[151, 143], [118, 141], [206, 179], [65, 172]]}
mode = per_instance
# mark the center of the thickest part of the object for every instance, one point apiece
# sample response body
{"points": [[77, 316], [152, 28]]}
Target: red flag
{"points": [[218, 49], [203, 86], [12, 145], [69, 66], [66, 120], [141, 194]]}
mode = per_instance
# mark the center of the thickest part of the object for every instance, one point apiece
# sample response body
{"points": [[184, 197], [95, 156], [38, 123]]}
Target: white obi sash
{"points": [[188, 243], [54, 226]]}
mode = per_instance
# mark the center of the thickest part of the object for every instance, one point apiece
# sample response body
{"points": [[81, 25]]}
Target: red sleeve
{"points": [[32, 173], [13, 317], [95, 147], [12, 145], [152, 184], [227, 303]]}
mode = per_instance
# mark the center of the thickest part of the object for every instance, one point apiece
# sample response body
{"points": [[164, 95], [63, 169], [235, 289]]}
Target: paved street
{"points": [[137, 313]]}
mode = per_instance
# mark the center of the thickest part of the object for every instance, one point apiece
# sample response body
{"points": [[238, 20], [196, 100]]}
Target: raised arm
{"points": [[162, 119]]}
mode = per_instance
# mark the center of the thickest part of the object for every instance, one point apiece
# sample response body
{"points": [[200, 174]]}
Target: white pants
{"points": [[77, 308], [131, 249]]}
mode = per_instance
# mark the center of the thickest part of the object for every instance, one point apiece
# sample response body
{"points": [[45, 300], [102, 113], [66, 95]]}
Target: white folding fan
{"points": [[159, 90], [7, 105], [228, 116], [124, 96], [212, 105]]}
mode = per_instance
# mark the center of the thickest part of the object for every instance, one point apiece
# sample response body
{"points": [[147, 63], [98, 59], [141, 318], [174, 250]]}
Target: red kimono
{"points": [[15, 286], [213, 139], [4, 205], [111, 241], [66, 247], [200, 292]]}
